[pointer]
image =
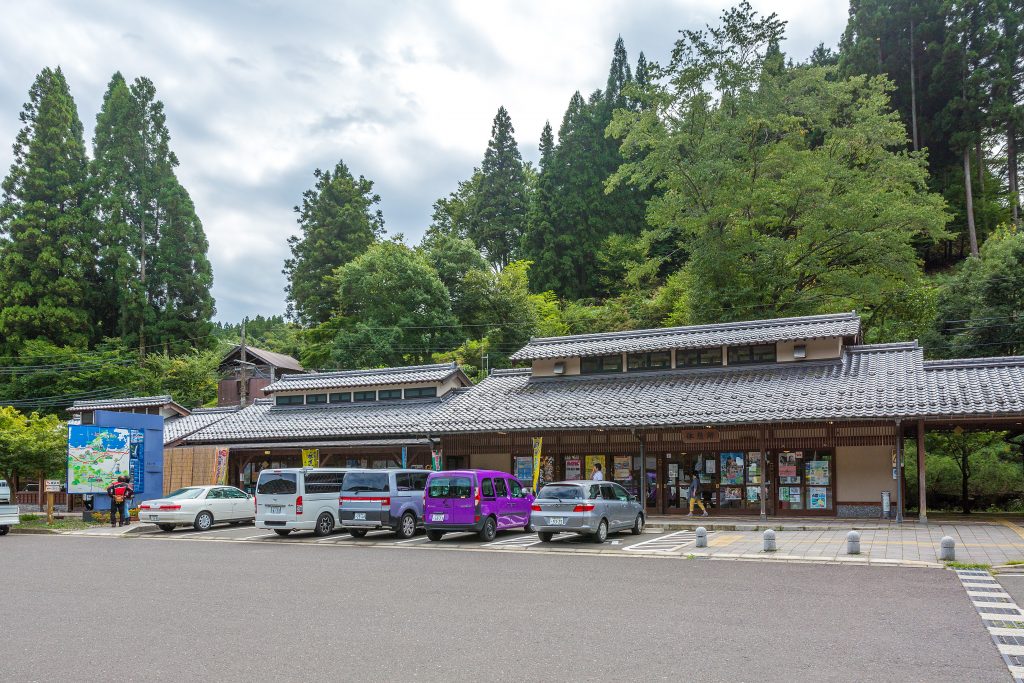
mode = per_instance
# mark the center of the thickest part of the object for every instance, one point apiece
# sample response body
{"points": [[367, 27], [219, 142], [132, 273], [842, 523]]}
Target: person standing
{"points": [[694, 494], [595, 472], [120, 493]]}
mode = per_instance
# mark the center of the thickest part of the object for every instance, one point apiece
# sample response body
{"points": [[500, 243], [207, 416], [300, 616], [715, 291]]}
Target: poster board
{"points": [[220, 466], [311, 457], [573, 468], [98, 455], [524, 468], [589, 462], [622, 470]]}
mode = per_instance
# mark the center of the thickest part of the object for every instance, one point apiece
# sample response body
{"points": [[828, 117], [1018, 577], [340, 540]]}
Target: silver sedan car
{"points": [[585, 507]]}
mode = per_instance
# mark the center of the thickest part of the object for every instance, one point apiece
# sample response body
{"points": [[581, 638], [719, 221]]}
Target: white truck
{"points": [[8, 518]]}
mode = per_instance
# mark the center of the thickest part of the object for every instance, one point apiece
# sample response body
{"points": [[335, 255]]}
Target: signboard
{"points": [[311, 457], [220, 466], [573, 468], [622, 470], [732, 468], [52, 486], [538, 442], [701, 436], [99, 455], [590, 460], [435, 459], [524, 468]]}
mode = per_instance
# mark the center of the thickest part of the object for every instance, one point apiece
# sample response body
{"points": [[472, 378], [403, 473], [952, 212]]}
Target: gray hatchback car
{"points": [[585, 507]]}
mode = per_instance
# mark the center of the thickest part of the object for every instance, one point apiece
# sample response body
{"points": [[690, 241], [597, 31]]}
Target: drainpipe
{"points": [[643, 471], [764, 473], [899, 472]]}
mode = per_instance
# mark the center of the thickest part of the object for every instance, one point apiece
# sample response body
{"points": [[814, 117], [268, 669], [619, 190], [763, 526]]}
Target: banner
{"points": [[405, 457], [220, 466], [537, 442], [311, 457], [435, 459]]}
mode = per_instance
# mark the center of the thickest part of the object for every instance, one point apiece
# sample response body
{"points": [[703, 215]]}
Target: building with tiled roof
{"points": [[245, 370], [163, 405]]}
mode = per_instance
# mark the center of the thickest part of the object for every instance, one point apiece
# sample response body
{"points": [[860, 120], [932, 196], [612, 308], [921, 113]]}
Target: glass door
{"points": [[676, 482], [819, 479], [789, 473], [731, 477], [753, 481]]}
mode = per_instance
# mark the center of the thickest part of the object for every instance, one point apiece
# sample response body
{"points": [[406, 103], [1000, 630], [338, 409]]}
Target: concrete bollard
{"points": [[947, 549], [702, 537], [769, 541], [853, 543]]}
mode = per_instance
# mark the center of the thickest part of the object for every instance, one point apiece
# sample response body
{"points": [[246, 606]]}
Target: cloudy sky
{"points": [[259, 94]]}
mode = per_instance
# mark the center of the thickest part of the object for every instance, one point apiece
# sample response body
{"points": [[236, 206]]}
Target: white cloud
{"points": [[257, 96]]}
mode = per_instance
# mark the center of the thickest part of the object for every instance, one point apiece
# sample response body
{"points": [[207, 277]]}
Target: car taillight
{"points": [[476, 498], [170, 507], [143, 507], [298, 505], [585, 507], [535, 508]]}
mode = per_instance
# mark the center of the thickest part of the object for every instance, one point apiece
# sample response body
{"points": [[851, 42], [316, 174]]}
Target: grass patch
{"points": [[1015, 562], [968, 565], [67, 524]]}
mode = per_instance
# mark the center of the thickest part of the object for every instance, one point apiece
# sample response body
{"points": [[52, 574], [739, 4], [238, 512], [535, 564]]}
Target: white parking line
{"points": [[664, 544], [418, 539], [524, 541]]}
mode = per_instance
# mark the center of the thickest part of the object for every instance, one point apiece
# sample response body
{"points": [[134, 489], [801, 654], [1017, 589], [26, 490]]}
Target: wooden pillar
{"points": [[922, 515]]}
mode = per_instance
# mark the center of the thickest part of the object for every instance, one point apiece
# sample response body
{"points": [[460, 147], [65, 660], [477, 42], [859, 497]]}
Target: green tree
{"points": [[338, 222], [31, 445], [453, 258], [392, 309], [790, 192], [44, 246], [191, 378], [501, 201]]}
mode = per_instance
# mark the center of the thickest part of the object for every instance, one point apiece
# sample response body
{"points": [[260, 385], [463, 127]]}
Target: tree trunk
{"points": [[913, 91], [965, 471], [981, 165], [971, 231], [1011, 170]]}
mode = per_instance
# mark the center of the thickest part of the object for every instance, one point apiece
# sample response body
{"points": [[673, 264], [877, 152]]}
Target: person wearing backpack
{"points": [[120, 493]]}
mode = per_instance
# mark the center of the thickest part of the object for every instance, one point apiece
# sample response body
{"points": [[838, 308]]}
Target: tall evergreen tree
{"points": [[43, 240], [541, 243], [338, 222], [502, 196]]}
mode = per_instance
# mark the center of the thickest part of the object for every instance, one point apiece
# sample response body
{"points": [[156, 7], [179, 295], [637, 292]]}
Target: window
{"points": [[419, 480], [500, 488], [560, 492], [365, 396], [214, 494], [620, 493], [656, 360], [324, 482], [234, 493], [389, 394], [371, 482], [276, 483], [487, 489], [342, 398], [290, 400], [188, 493], [594, 364], [421, 392], [450, 487], [760, 353], [403, 482], [315, 399], [607, 492], [698, 358], [595, 492], [515, 488]]}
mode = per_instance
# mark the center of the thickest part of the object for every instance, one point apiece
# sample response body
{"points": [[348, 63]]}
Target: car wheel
{"points": [[357, 533], [407, 526], [489, 531], [4, 530], [166, 527], [324, 524], [638, 525], [435, 535], [282, 532], [601, 535], [545, 536], [204, 520], [528, 528]]}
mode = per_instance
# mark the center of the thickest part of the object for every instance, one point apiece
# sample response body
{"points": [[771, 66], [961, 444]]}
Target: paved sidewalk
{"points": [[107, 530]]}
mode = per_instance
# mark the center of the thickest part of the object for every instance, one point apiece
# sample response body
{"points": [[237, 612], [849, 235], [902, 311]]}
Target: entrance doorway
{"points": [[730, 481], [805, 482]]}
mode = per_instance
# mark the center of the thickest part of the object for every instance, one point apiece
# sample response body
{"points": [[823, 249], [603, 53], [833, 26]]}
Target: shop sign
{"points": [[220, 466], [311, 457], [701, 436], [52, 486], [573, 468], [622, 468]]}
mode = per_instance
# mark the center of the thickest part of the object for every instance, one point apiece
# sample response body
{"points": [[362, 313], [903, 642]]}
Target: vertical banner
{"points": [[537, 442], [220, 466], [405, 457], [435, 459], [311, 457]]}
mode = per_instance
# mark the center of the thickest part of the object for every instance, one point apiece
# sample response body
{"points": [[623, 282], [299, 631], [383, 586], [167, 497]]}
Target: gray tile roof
{"points": [[263, 421], [413, 374], [973, 386], [278, 360], [693, 337], [176, 428], [127, 404]]}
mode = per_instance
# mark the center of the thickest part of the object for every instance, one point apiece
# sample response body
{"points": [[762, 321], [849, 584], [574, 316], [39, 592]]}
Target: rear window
{"points": [[277, 483], [324, 482], [185, 493], [560, 492], [450, 487], [369, 482]]}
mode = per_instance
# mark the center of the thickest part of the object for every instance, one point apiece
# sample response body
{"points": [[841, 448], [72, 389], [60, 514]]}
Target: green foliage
{"points": [[338, 222], [190, 378], [272, 333], [31, 444], [43, 248], [790, 193], [994, 475]]}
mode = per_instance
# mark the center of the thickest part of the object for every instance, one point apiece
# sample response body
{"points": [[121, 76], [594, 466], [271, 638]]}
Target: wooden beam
{"points": [[922, 505]]}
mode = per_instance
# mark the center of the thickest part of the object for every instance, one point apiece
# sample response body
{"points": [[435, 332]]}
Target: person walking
{"points": [[694, 494], [595, 472], [120, 493]]}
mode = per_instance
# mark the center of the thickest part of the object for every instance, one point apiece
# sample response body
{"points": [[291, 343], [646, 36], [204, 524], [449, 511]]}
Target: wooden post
{"points": [[922, 514], [49, 507]]}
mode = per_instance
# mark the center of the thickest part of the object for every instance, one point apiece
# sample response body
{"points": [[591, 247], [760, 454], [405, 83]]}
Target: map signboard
{"points": [[98, 455]]}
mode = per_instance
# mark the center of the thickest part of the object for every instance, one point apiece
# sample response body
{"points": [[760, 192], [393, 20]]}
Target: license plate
{"points": [[437, 518], [275, 509], [556, 521], [154, 516], [361, 516]]}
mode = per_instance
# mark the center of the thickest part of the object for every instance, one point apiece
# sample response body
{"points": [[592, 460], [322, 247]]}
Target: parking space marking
{"points": [[523, 541], [999, 614], [669, 543], [418, 539]]}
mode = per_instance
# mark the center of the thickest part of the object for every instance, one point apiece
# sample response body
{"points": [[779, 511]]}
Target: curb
{"points": [[21, 530]]}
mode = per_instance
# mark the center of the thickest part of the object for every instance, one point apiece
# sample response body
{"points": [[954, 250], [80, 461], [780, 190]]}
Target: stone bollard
{"points": [[702, 537], [947, 549], [853, 543], [769, 541]]}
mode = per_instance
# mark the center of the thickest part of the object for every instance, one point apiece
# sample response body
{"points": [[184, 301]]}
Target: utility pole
{"points": [[243, 395]]}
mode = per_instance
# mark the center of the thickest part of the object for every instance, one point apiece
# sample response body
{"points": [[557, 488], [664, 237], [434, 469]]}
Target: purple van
{"points": [[483, 501]]}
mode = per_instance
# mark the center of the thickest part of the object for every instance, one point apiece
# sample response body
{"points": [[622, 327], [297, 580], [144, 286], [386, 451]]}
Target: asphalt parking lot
{"points": [[330, 609]]}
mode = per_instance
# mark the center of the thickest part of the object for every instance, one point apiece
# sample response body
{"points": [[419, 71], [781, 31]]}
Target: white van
{"points": [[299, 499], [5, 493]]}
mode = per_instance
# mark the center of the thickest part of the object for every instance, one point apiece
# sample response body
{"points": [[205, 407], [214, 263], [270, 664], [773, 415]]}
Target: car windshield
{"points": [[185, 493], [368, 482], [450, 487], [276, 483], [560, 492]]}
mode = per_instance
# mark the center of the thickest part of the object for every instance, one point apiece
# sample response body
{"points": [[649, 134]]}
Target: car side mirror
{"points": [[634, 498]]}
